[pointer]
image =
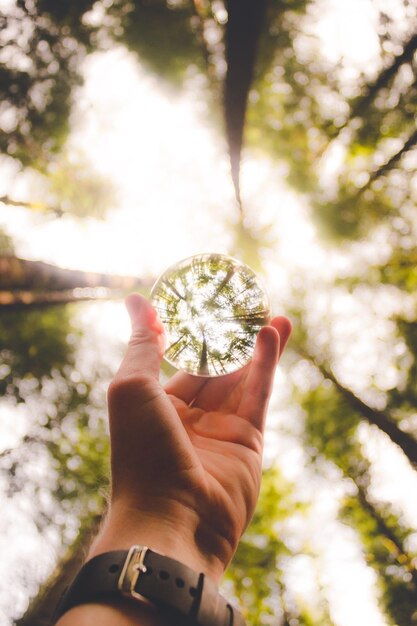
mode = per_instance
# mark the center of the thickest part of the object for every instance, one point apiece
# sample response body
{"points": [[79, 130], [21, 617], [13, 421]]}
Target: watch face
{"points": [[212, 307]]}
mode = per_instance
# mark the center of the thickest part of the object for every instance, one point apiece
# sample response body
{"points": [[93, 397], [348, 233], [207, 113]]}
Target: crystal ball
{"points": [[212, 307]]}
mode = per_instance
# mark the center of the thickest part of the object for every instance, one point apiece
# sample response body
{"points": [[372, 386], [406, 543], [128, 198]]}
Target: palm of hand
{"points": [[226, 443]]}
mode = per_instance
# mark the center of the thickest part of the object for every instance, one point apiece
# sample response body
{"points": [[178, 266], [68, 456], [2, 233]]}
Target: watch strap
{"points": [[143, 575]]}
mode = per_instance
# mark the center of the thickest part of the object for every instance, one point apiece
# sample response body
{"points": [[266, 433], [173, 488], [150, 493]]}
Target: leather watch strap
{"points": [[144, 575]]}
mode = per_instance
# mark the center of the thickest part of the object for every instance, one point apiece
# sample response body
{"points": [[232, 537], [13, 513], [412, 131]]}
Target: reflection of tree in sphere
{"points": [[212, 308]]}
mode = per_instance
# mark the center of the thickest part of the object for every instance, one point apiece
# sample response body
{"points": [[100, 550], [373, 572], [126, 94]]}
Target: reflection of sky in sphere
{"points": [[212, 308]]}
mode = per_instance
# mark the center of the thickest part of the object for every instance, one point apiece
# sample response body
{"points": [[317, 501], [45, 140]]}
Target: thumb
{"points": [[147, 341]]}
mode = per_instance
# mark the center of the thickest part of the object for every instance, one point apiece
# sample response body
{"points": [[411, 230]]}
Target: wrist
{"points": [[170, 590], [175, 535]]}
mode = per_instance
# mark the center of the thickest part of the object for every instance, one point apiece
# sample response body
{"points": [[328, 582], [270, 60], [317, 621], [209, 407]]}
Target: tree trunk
{"points": [[20, 274], [242, 33], [26, 284], [25, 300], [42, 607]]}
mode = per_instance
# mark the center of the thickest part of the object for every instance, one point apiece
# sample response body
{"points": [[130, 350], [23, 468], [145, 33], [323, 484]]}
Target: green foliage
{"points": [[300, 105], [330, 432], [171, 26], [353, 213], [81, 460], [400, 270], [403, 399], [6, 244], [249, 242], [257, 572], [37, 78], [397, 575], [330, 426], [299, 108], [41, 71], [34, 344], [65, 429], [285, 101], [75, 188], [70, 438]]}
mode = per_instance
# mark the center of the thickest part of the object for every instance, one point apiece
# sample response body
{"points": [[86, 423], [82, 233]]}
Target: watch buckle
{"points": [[132, 568]]}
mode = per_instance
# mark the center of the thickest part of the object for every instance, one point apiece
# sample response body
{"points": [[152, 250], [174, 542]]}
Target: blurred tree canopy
{"points": [[348, 146], [300, 107]]}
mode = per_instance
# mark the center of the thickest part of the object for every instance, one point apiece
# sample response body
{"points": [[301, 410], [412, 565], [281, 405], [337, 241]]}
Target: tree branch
{"points": [[383, 79], [34, 206], [396, 546], [378, 418], [385, 76], [408, 145]]}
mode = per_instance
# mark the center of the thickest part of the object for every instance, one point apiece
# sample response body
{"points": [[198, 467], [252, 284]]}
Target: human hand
{"points": [[187, 458]]}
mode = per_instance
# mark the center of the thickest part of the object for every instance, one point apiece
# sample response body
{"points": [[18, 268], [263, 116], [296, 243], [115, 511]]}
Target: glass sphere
{"points": [[212, 307]]}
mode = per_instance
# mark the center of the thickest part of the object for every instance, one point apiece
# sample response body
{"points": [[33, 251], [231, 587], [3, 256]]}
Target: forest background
{"points": [[114, 165]]}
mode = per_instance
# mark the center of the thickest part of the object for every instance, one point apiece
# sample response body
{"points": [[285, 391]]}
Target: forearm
{"points": [[122, 614]]}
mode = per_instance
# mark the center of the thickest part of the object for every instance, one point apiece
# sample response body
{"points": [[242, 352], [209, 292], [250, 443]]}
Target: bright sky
{"points": [[347, 30], [175, 195]]}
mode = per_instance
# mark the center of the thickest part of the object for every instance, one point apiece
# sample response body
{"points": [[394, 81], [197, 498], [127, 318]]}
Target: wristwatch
{"points": [[186, 597]]}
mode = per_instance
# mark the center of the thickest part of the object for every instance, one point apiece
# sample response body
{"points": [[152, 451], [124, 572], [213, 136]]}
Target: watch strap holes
{"points": [[114, 568], [163, 575], [179, 582]]}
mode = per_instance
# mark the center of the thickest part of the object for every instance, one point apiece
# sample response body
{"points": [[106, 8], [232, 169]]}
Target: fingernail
{"points": [[142, 313], [134, 306]]}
